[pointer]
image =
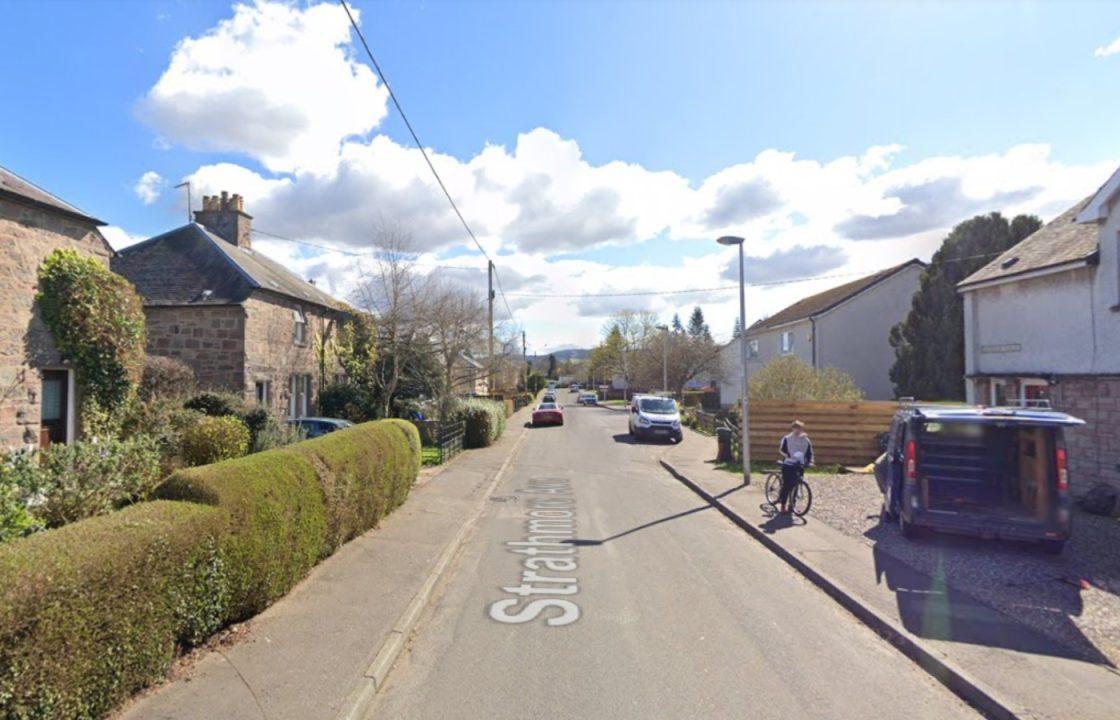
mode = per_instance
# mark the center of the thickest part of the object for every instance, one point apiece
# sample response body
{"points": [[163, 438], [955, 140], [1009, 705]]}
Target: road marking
{"points": [[550, 527]]}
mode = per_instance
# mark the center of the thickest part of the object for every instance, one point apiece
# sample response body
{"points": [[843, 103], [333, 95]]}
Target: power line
{"points": [[355, 253], [422, 149]]}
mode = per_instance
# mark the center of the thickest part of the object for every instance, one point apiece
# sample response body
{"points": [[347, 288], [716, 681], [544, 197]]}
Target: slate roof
{"points": [[1060, 241], [192, 266], [13, 184], [824, 301]]}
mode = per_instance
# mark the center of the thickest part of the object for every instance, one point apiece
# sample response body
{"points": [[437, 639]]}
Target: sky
{"points": [[595, 149]]}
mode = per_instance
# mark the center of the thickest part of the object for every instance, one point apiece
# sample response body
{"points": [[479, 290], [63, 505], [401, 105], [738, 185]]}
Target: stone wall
{"points": [[208, 338], [27, 235], [271, 353]]}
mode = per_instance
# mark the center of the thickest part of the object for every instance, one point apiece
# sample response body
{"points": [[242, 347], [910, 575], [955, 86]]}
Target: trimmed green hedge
{"points": [[93, 611], [96, 610], [484, 421]]}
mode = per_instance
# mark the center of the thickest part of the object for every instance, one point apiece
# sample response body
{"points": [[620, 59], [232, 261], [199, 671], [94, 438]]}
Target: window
{"points": [[264, 392], [299, 332], [787, 342], [299, 395], [752, 348], [1035, 393], [999, 393]]}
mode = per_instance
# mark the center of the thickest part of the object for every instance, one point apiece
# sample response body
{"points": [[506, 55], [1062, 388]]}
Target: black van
{"points": [[988, 472]]}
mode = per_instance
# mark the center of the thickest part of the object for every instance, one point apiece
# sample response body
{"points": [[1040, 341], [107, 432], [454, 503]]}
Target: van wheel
{"points": [[1052, 547], [909, 531]]}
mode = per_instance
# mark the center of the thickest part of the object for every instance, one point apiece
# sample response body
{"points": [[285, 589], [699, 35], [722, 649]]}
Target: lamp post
{"points": [[746, 445], [664, 357]]}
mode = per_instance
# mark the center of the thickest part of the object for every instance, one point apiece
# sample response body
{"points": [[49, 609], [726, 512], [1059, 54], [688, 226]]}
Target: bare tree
{"points": [[396, 294], [457, 320]]}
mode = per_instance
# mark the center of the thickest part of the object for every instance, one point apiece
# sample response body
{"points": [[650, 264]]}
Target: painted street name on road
{"points": [[550, 527]]}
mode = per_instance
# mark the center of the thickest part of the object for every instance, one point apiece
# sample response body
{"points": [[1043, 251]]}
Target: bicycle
{"points": [[801, 497]]}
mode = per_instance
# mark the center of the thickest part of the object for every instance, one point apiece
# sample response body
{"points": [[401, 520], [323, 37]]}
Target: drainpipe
{"points": [[813, 341]]}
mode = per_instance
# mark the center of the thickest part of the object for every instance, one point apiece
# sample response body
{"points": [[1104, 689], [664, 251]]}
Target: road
{"points": [[657, 608]]}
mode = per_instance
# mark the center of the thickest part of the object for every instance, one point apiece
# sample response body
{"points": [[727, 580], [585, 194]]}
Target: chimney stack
{"points": [[225, 217]]}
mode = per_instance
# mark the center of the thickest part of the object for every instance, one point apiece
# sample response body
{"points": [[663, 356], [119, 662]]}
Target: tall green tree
{"points": [[677, 327], [929, 343], [696, 325], [551, 374]]}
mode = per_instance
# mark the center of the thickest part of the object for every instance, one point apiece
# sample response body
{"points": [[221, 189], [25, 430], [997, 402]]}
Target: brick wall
{"points": [[27, 236], [271, 353], [1094, 449], [208, 338]]}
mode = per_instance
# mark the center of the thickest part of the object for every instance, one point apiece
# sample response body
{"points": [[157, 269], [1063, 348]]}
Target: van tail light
{"points": [[911, 461], [1063, 472]]}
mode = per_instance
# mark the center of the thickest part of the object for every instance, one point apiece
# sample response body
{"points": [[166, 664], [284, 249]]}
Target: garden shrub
{"points": [[291, 506], [213, 439], [96, 319], [94, 611], [484, 421], [165, 377], [346, 400], [18, 480], [86, 478], [256, 418], [216, 404]]}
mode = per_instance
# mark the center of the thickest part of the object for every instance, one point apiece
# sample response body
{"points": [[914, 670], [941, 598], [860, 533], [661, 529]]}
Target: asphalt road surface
{"points": [[596, 586]]}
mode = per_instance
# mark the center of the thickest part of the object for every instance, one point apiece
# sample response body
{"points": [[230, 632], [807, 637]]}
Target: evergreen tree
{"points": [[676, 325], [696, 325], [929, 343], [551, 374], [737, 330]]}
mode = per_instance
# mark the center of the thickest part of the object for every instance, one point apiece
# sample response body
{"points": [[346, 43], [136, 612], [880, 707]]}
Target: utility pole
{"points": [[490, 295], [525, 360]]}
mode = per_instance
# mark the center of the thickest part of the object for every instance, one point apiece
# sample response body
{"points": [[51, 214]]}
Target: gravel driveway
{"points": [[1041, 590]]}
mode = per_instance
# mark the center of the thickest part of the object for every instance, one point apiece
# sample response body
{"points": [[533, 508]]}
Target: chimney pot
{"points": [[225, 217]]}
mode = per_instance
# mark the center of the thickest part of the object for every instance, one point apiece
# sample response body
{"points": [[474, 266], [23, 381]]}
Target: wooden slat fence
{"points": [[845, 433]]}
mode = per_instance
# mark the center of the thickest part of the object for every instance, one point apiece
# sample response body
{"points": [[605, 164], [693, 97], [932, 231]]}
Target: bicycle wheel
{"points": [[802, 499], [773, 488]]}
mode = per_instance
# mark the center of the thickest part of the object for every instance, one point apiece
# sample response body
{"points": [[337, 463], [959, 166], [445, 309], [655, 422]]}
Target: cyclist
{"points": [[797, 453]]}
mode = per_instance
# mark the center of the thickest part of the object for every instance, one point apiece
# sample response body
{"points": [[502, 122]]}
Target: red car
{"points": [[548, 413]]}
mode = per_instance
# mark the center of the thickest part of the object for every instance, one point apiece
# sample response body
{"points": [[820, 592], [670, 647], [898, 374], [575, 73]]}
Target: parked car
{"points": [[548, 413], [549, 396], [652, 416], [313, 427], [986, 472], [574, 387], [587, 398]]}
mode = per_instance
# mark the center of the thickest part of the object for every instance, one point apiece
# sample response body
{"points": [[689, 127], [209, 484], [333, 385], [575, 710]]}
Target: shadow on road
{"points": [[592, 543]]}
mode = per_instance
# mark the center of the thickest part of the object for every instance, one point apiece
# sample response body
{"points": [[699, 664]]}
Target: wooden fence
{"points": [[843, 433]]}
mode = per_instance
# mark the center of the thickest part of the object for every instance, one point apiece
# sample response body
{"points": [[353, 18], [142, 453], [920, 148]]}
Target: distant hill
{"points": [[565, 354]]}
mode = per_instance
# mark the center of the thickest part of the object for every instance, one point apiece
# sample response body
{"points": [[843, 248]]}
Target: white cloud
{"points": [[149, 187], [289, 95], [275, 81], [119, 238], [1106, 50]]}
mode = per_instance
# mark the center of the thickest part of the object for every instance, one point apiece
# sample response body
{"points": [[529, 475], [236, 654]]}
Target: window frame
{"points": [[752, 348], [786, 347], [299, 327]]}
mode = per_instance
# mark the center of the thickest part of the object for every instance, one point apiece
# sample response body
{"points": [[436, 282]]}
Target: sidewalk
{"points": [[303, 657], [1005, 668]]}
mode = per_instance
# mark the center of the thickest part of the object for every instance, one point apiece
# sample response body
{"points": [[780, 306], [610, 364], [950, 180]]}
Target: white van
{"points": [[652, 416]]}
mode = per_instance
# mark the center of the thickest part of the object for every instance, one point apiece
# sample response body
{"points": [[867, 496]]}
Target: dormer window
{"points": [[299, 330]]}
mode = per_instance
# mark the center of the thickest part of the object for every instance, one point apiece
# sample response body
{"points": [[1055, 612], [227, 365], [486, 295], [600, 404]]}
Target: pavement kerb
{"points": [[954, 678], [364, 691]]}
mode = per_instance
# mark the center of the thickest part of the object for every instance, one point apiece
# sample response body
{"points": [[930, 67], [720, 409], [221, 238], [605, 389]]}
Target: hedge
{"points": [[93, 611], [484, 421], [96, 610]]}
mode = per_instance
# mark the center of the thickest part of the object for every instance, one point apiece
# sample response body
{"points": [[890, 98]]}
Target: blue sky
{"points": [[701, 101]]}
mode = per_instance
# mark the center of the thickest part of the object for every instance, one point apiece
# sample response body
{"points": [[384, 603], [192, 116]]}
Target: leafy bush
{"points": [[96, 319], [18, 479], [165, 377], [348, 401], [93, 611], [788, 378], [213, 439], [82, 479], [289, 507], [216, 404], [484, 421]]}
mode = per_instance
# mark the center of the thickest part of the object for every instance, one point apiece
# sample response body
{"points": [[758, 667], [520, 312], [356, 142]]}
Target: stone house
{"points": [[1042, 325], [468, 376], [845, 327], [240, 320], [38, 394]]}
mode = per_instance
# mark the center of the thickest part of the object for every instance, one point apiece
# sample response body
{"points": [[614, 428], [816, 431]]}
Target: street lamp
{"points": [[664, 357], [733, 240]]}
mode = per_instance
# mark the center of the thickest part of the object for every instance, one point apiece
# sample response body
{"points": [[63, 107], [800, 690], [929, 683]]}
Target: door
{"points": [[54, 403]]}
